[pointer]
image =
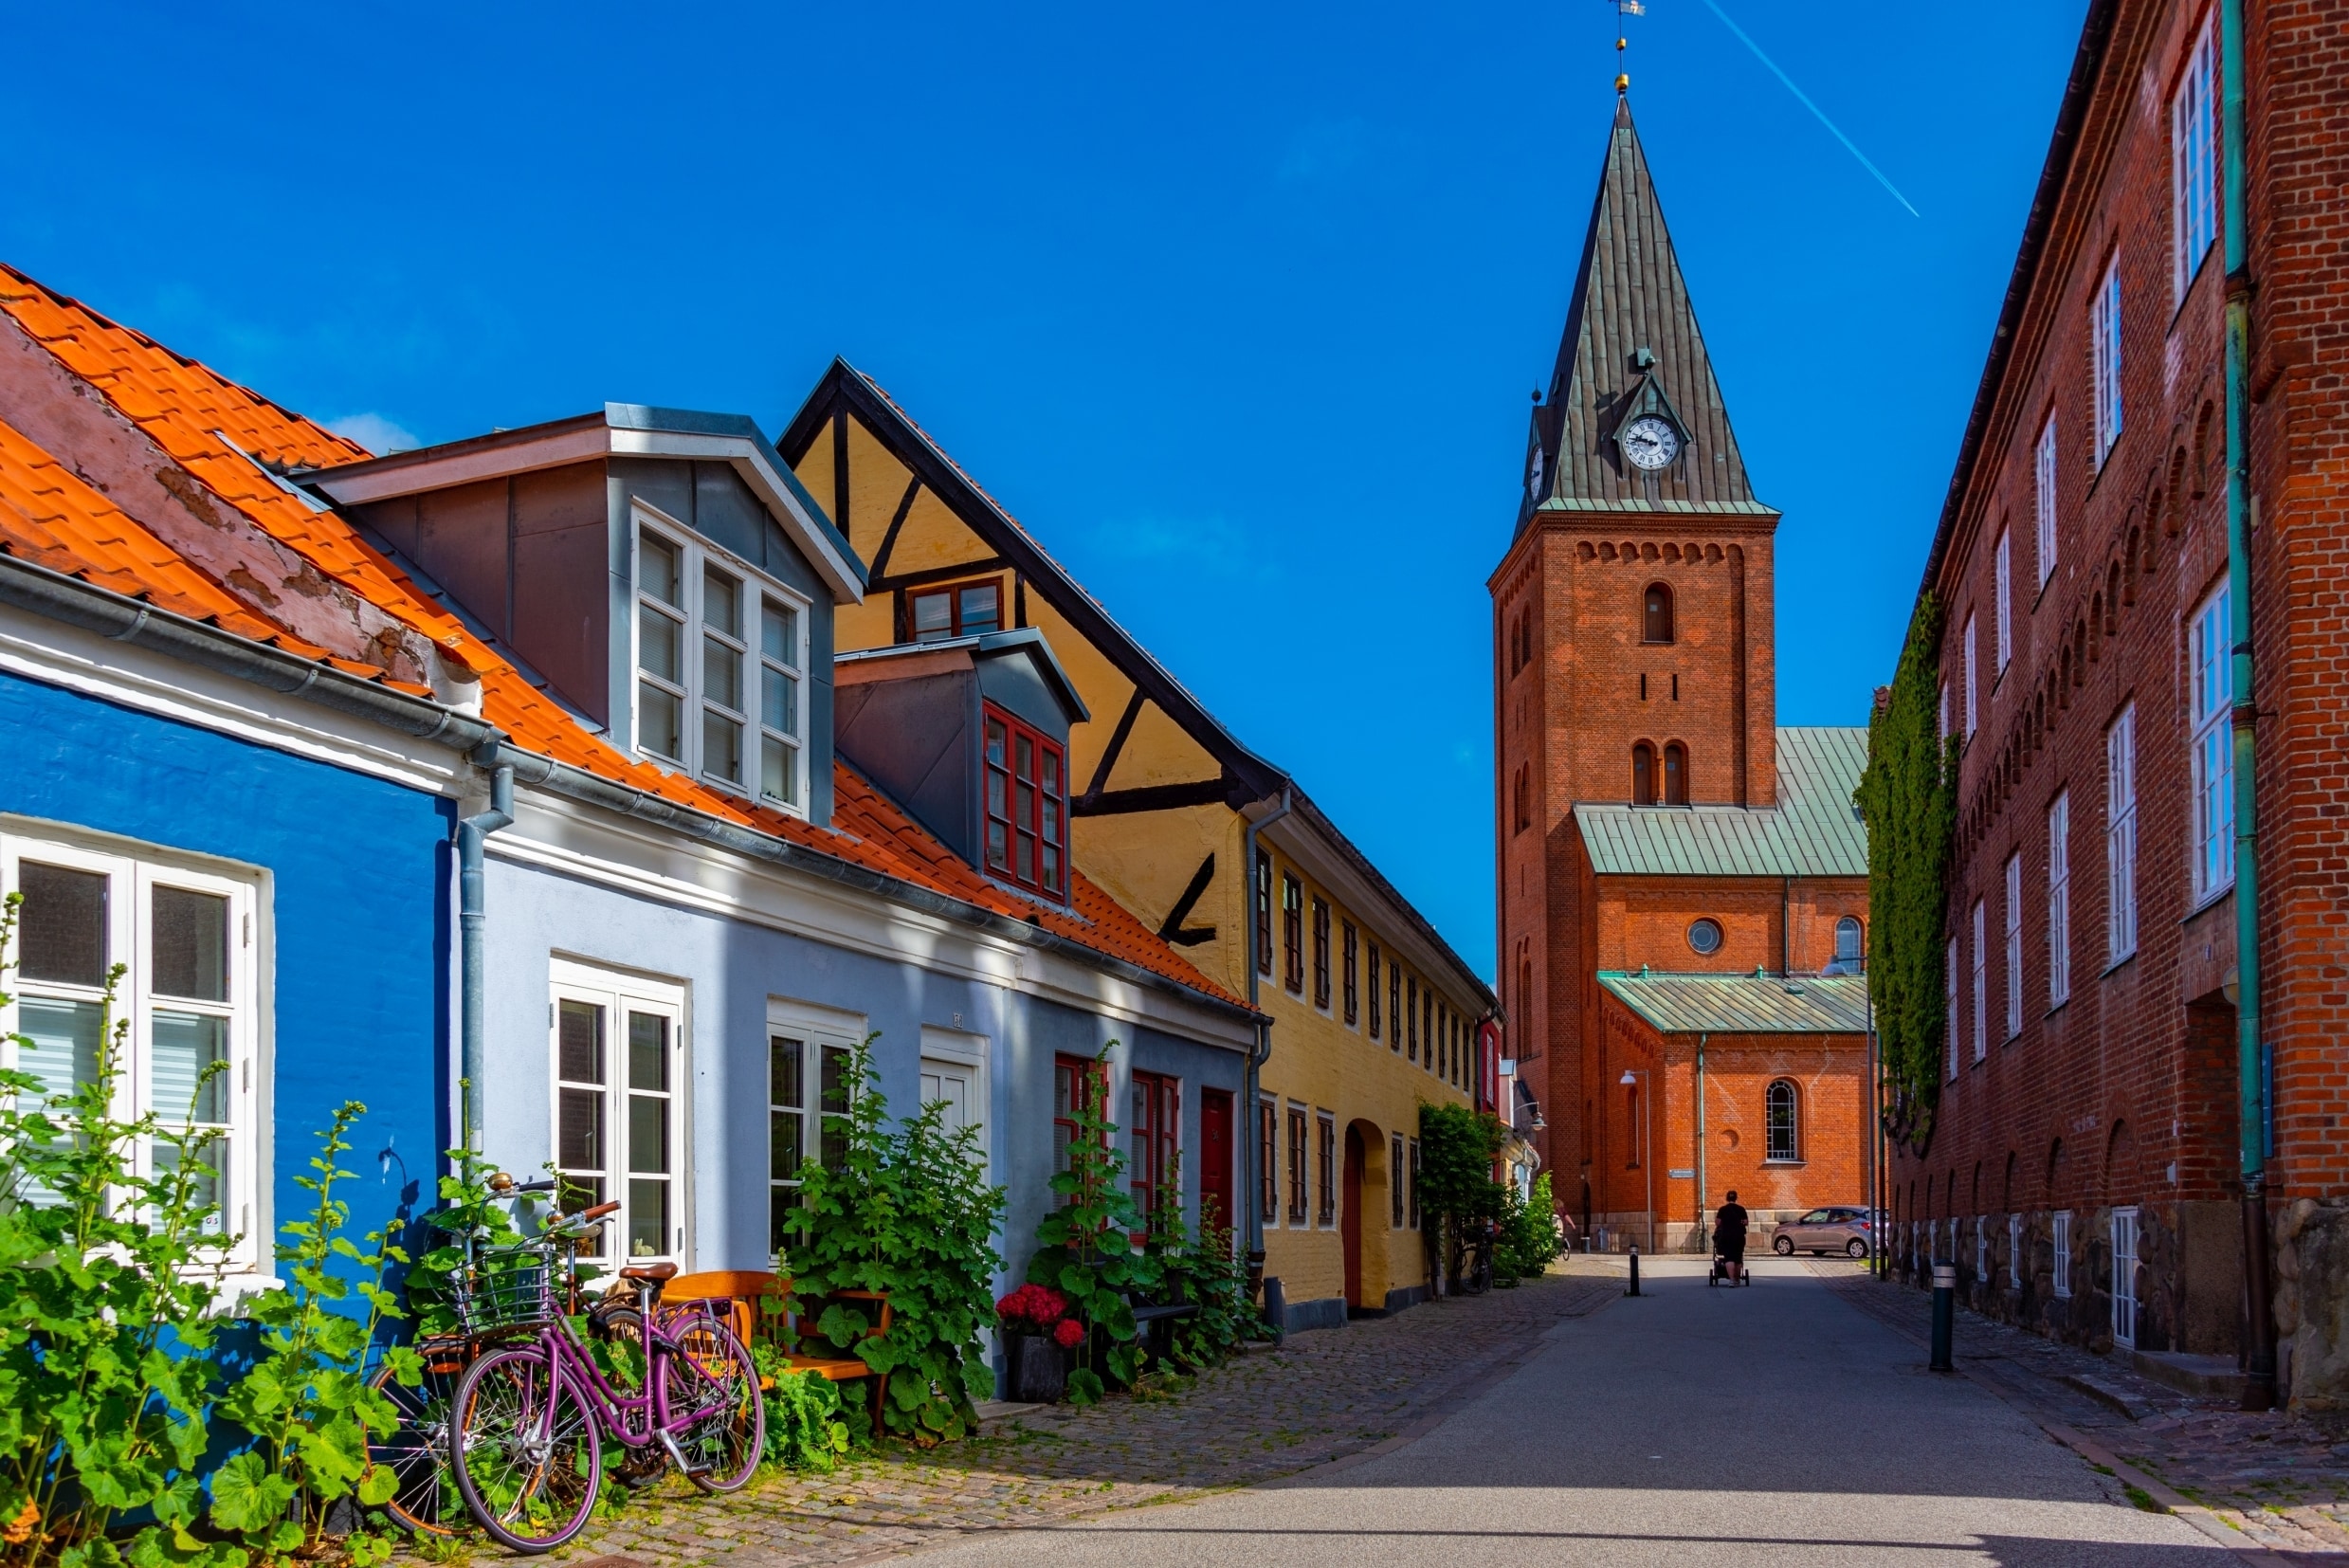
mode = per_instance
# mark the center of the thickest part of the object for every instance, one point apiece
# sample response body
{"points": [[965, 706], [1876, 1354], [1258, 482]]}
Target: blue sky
{"points": [[1238, 307]]}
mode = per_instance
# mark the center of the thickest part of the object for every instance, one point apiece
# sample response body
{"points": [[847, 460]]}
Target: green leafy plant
{"points": [[104, 1386], [306, 1403], [1908, 797], [1457, 1147], [1204, 1271], [805, 1425], [1529, 1238], [472, 1212], [903, 1208], [1090, 1253]]}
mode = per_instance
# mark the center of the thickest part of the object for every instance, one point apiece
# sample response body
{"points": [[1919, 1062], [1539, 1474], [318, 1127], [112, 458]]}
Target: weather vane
{"points": [[1624, 8]]}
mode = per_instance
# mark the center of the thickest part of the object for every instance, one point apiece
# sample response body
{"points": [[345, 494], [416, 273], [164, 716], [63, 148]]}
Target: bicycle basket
{"points": [[511, 1288]]}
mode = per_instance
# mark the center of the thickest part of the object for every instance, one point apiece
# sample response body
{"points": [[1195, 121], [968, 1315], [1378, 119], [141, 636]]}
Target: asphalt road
{"points": [[1772, 1425]]}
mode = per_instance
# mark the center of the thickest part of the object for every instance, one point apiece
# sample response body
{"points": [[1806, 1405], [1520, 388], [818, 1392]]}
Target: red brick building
{"points": [[1655, 824], [2083, 1166]]}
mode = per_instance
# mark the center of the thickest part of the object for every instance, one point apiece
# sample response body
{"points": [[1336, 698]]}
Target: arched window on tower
{"points": [[1643, 775], [1779, 1115], [1847, 936], [1676, 774], [1656, 624]]}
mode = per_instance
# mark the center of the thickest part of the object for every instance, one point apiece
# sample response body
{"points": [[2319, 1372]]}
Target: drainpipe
{"points": [[1251, 1145], [2259, 1379], [1702, 1248], [472, 922]]}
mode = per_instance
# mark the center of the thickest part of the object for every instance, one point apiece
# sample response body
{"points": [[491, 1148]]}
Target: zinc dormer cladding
{"points": [[1632, 344]]}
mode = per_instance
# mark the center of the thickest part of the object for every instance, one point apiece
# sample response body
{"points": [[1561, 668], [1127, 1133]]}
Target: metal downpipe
{"points": [[1250, 1145], [2259, 1379], [472, 933]]}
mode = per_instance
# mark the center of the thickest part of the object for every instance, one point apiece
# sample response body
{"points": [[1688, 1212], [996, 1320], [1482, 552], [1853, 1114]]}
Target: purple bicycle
{"points": [[528, 1422]]}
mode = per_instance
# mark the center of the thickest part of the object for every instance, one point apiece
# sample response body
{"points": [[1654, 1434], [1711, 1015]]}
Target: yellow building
{"points": [[1368, 1011]]}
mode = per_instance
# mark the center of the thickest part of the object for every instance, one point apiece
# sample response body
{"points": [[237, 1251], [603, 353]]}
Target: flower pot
{"points": [[1039, 1368]]}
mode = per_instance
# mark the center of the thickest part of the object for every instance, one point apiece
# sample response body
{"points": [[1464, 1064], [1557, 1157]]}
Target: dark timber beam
{"points": [[1117, 745]]}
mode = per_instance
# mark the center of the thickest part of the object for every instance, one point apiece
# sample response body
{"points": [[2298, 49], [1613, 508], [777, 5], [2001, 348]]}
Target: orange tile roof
{"points": [[207, 424]]}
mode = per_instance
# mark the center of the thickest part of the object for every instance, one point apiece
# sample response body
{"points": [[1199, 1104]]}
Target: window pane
{"points": [[981, 610], [62, 930], [778, 632], [721, 747], [784, 1132], [778, 771], [997, 805], [722, 601], [210, 1174], [660, 721], [184, 1044], [786, 1072], [778, 702], [834, 1088], [648, 1218], [580, 1034], [998, 846], [64, 1038], [190, 933], [648, 1135], [994, 741], [579, 1131], [649, 1052], [722, 674], [934, 617], [656, 563], [1052, 878], [1028, 759], [656, 643]]}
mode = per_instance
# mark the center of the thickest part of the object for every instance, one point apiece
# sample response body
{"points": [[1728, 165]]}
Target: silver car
{"points": [[1825, 1230]]}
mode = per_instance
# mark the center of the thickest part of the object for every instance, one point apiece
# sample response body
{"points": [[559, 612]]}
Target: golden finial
{"points": [[1624, 8]]}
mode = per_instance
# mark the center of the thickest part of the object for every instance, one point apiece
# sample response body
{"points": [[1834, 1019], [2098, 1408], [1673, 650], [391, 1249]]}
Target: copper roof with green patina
{"points": [[1745, 1004], [1814, 831]]}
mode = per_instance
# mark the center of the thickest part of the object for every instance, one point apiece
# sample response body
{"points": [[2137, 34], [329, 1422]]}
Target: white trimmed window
{"points": [[2125, 1277], [806, 1080], [2014, 1251], [190, 994], [2210, 695], [721, 655], [2105, 342], [2059, 900], [618, 1049], [1981, 983], [1940, 726], [2042, 497], [2014, 945], [1973, 679], [2002, 571], [2121, 835], [1981, 1247], [2060, 1239], [1949, 999], [2194, 163]]}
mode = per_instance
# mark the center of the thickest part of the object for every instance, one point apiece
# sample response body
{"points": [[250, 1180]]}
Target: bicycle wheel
{"points": [[718, 1415], [416, 1450], [525, 1448]]}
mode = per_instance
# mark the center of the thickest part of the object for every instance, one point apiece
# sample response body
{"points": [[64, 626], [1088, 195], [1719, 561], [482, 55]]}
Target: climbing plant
{"points": [[1908, 799]]}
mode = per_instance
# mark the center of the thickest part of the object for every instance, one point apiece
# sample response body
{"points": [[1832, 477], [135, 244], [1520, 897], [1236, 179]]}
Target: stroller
{"points": [[1719, 1274]]}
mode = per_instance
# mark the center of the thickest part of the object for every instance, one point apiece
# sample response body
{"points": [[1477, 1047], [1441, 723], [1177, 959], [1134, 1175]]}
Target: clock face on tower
{"points": [[1533, 479], [1650, 442]]}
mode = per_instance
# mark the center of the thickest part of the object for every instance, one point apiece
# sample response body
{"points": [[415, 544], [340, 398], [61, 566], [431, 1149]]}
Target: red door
{"points": [[1216, 1157], [1349, 1219]]}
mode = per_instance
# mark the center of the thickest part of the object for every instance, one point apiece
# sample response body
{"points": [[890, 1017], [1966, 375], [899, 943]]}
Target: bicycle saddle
{"points": [[655, 1271]]}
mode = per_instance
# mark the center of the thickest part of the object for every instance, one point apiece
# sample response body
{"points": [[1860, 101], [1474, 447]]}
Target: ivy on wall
{"points": [[1908, 799]]}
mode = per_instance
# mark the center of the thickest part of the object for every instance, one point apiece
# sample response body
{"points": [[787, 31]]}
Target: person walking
{"points": [[1729, 1225]]}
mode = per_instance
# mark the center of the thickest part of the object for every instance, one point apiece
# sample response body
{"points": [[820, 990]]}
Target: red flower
{"points": [[1033, 1303], [1070, 1333]]}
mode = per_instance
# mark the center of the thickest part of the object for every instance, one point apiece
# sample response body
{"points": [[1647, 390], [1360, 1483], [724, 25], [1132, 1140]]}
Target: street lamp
{"points": [[1630, 1080]]}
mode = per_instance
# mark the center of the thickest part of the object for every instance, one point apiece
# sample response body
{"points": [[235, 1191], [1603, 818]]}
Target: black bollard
{"points": [[1634, 1290], [1944, 1312]]}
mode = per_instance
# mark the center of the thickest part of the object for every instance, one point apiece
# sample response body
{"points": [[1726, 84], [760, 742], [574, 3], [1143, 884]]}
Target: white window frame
{"points": [[1981, 983], [2194, 163], [1981, 1247], [2060, 1241], [620, 994], [2015, 945], [1973, 679], [2105, 345], [2124, 1276], [244, 1220], [2210, 653], [788, 672], [2002, 575], [2042, 497], [1940, 726], [2121, 835], [817, 1030], [2014, 1251], [1949, 988], [2059, 901]]}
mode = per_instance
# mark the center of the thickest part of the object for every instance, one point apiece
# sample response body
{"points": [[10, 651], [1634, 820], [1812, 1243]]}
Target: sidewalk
{"points": [[2280, 1481], [1262, 1415]]}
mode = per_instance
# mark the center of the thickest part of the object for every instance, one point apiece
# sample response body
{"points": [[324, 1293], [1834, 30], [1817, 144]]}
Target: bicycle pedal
{"points": [[677, 1456]]}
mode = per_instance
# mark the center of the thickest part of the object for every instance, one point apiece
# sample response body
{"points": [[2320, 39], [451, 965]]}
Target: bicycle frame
{"points": [[611, 1406]]}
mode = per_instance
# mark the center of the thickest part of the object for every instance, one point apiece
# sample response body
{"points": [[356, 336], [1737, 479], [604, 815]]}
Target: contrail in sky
{"points": [[1812, 107]]}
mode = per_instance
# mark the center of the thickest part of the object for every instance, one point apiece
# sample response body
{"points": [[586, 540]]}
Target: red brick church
{"points": [[1683, 883]]}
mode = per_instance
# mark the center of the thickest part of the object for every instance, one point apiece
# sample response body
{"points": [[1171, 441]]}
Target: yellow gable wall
{"points": [[1158, 752], [1146, 859]]}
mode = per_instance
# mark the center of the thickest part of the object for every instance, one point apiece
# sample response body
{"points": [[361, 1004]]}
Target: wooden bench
{"points": [[1154, 1323], [754, 1303]]}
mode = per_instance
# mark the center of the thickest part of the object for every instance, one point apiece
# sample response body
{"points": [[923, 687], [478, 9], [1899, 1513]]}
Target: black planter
{"points": [[1039, 1368]]}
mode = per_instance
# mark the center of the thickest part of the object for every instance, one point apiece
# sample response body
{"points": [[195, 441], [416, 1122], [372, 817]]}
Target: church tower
{"points": [[1634, 672]]}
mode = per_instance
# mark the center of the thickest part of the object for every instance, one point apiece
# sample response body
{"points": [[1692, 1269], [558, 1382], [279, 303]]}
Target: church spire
{"points": [[1634, 420]]}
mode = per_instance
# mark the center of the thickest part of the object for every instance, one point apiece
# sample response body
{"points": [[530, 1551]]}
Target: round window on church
{"points": [[1705, 936]]}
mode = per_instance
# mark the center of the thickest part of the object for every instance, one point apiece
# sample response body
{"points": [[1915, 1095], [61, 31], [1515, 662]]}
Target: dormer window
{"points": [[1026, 811], [721, 654], [953, 609]]}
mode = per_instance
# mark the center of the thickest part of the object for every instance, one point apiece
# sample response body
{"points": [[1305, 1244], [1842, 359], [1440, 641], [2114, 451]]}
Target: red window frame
{"points": [[1320, 952], [1075, 1081], [957, 625], [1156, 1129], [1293, 933], [1027, 805]]}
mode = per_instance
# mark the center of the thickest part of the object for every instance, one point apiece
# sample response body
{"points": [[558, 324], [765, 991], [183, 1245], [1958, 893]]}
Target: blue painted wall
{"points": [[356, 900]]}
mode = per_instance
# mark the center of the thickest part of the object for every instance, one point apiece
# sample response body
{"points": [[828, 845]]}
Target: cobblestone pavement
{"points": [[2282, 1481], [1262, 1415]]}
